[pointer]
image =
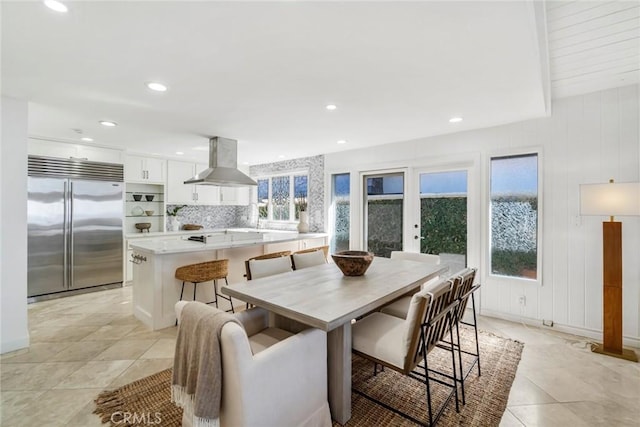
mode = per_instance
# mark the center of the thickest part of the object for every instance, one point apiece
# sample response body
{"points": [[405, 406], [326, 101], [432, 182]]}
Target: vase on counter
{"points": [[174, 224], [303, 225]]}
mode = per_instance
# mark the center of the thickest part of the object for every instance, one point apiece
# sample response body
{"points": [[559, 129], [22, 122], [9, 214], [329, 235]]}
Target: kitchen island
{"points": [[156, 290]]}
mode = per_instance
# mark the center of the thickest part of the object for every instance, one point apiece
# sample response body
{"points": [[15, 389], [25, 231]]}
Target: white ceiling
{"points": [[593, 45], [262, 72]]}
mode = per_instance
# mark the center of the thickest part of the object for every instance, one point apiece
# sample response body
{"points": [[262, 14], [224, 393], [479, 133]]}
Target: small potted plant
{"points": [[173, 220]]}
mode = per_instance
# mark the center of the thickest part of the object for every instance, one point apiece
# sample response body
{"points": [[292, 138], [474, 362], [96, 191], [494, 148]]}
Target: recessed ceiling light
{"points": [[108, 123], [179, 153], [201, 148], [245, 163], [281, 156], [331, 107], [55, 5], [86, 138], [158, 87], [455, 119], [342, 141]]}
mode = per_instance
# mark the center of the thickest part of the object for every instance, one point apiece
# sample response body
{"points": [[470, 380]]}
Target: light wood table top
{"points": [[324, 298]]}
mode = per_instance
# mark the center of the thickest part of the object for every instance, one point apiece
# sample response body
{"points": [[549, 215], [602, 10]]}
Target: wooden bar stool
{"points": [[205, 272]]}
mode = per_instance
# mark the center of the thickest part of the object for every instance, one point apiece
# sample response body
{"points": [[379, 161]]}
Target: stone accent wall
{"points": [[315, 198]]}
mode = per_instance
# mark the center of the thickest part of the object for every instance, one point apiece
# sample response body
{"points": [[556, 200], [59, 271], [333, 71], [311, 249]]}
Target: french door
{"points": [[420, 210], [440, 212]]}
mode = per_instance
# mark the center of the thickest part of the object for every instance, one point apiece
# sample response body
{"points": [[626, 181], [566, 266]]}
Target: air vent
{"points": [[80, 169]]}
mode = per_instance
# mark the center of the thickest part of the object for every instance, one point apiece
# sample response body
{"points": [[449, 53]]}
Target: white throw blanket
{"points": [[197, 366]]}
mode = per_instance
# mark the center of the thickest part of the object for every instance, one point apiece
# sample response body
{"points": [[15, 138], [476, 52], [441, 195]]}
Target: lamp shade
{"points": [[610, 199]]}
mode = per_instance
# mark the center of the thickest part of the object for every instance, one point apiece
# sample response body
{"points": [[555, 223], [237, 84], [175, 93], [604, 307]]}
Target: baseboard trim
{"points": [[9, 346], [592, 334]]}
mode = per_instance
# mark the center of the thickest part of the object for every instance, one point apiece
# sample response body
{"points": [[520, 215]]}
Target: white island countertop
{"points": [[218, 239]]}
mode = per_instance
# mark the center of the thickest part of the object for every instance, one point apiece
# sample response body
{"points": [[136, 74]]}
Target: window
{"points": [[341, 212], [282, 197], [514, 216]]}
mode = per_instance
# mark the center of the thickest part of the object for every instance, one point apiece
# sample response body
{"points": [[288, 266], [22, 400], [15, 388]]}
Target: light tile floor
{"points": [[86, 343]]}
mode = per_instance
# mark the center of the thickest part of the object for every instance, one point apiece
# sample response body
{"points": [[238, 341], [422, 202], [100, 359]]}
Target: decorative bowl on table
{"points": [[137, 197], [143, 226], [353, 263], [149, 197]]}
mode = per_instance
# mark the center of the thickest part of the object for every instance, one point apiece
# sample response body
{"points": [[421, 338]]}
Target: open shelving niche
{"points": [[157, 205]]}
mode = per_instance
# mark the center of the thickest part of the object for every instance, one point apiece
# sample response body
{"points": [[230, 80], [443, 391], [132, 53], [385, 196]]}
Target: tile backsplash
{"points": [[211, 217]]}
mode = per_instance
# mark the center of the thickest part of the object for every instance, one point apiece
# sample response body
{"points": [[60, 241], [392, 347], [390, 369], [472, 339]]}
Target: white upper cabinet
{"points": [[234, 195], [144, 169], [188, 194], [39, 147]]}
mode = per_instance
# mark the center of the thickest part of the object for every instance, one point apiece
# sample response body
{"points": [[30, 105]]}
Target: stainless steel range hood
{"points": [[223, 166]]}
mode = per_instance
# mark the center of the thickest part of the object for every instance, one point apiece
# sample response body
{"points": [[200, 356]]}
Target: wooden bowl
{"points": [[353, 263], [137, 197], [191, 227], [143, 226]]}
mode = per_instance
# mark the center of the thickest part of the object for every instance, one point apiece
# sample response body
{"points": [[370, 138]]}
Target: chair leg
{"points": [[194, 290], [215, 292], [375, 368], [230, 300], [475, 328], [460, 361], [453, 364], [181, 292], [426, 378]]}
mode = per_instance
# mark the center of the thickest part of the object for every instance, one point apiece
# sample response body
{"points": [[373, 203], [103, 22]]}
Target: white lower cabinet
{"points": [[128, 266]]}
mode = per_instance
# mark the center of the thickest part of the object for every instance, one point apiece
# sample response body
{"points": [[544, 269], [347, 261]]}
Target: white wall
{"points": [[14, 332], [587, 139]]}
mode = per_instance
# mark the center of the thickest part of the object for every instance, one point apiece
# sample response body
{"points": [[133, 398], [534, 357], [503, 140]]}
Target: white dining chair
{"points": [[270, 376], [404, 344], [309, 257], [400, 307], [268, 265]]}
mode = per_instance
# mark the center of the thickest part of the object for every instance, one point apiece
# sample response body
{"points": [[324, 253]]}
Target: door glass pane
{"points": [[263, 198], [514, 216], [384, 207], [443, 217], [300, 194], [341, 211], [280, 198]]}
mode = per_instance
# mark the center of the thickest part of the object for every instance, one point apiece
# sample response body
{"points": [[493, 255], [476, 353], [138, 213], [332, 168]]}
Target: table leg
{"points": [[339, 372]]}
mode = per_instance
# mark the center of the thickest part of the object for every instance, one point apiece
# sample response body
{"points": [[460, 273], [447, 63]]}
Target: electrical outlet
{"points": [[522, 300]]}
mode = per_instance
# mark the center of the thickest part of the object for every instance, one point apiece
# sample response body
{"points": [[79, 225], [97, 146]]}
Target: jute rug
{"points": [[147, 401]]}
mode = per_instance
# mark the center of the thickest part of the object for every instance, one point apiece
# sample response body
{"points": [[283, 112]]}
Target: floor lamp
{"points": [[611, 199]]}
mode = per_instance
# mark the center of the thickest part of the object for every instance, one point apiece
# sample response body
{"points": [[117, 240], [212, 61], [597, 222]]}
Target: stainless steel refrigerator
{"points": [[75, 215]]}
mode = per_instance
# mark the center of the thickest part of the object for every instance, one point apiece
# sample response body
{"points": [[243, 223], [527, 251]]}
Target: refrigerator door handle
{"points": [[71, 248], [65, 235]]}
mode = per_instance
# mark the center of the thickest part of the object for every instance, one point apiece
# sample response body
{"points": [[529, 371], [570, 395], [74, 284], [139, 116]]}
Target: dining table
{"points": [[322, 297]]}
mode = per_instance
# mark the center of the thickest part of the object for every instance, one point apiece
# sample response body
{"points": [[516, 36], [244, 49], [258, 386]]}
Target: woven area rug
{"points": [[148, 400]]}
